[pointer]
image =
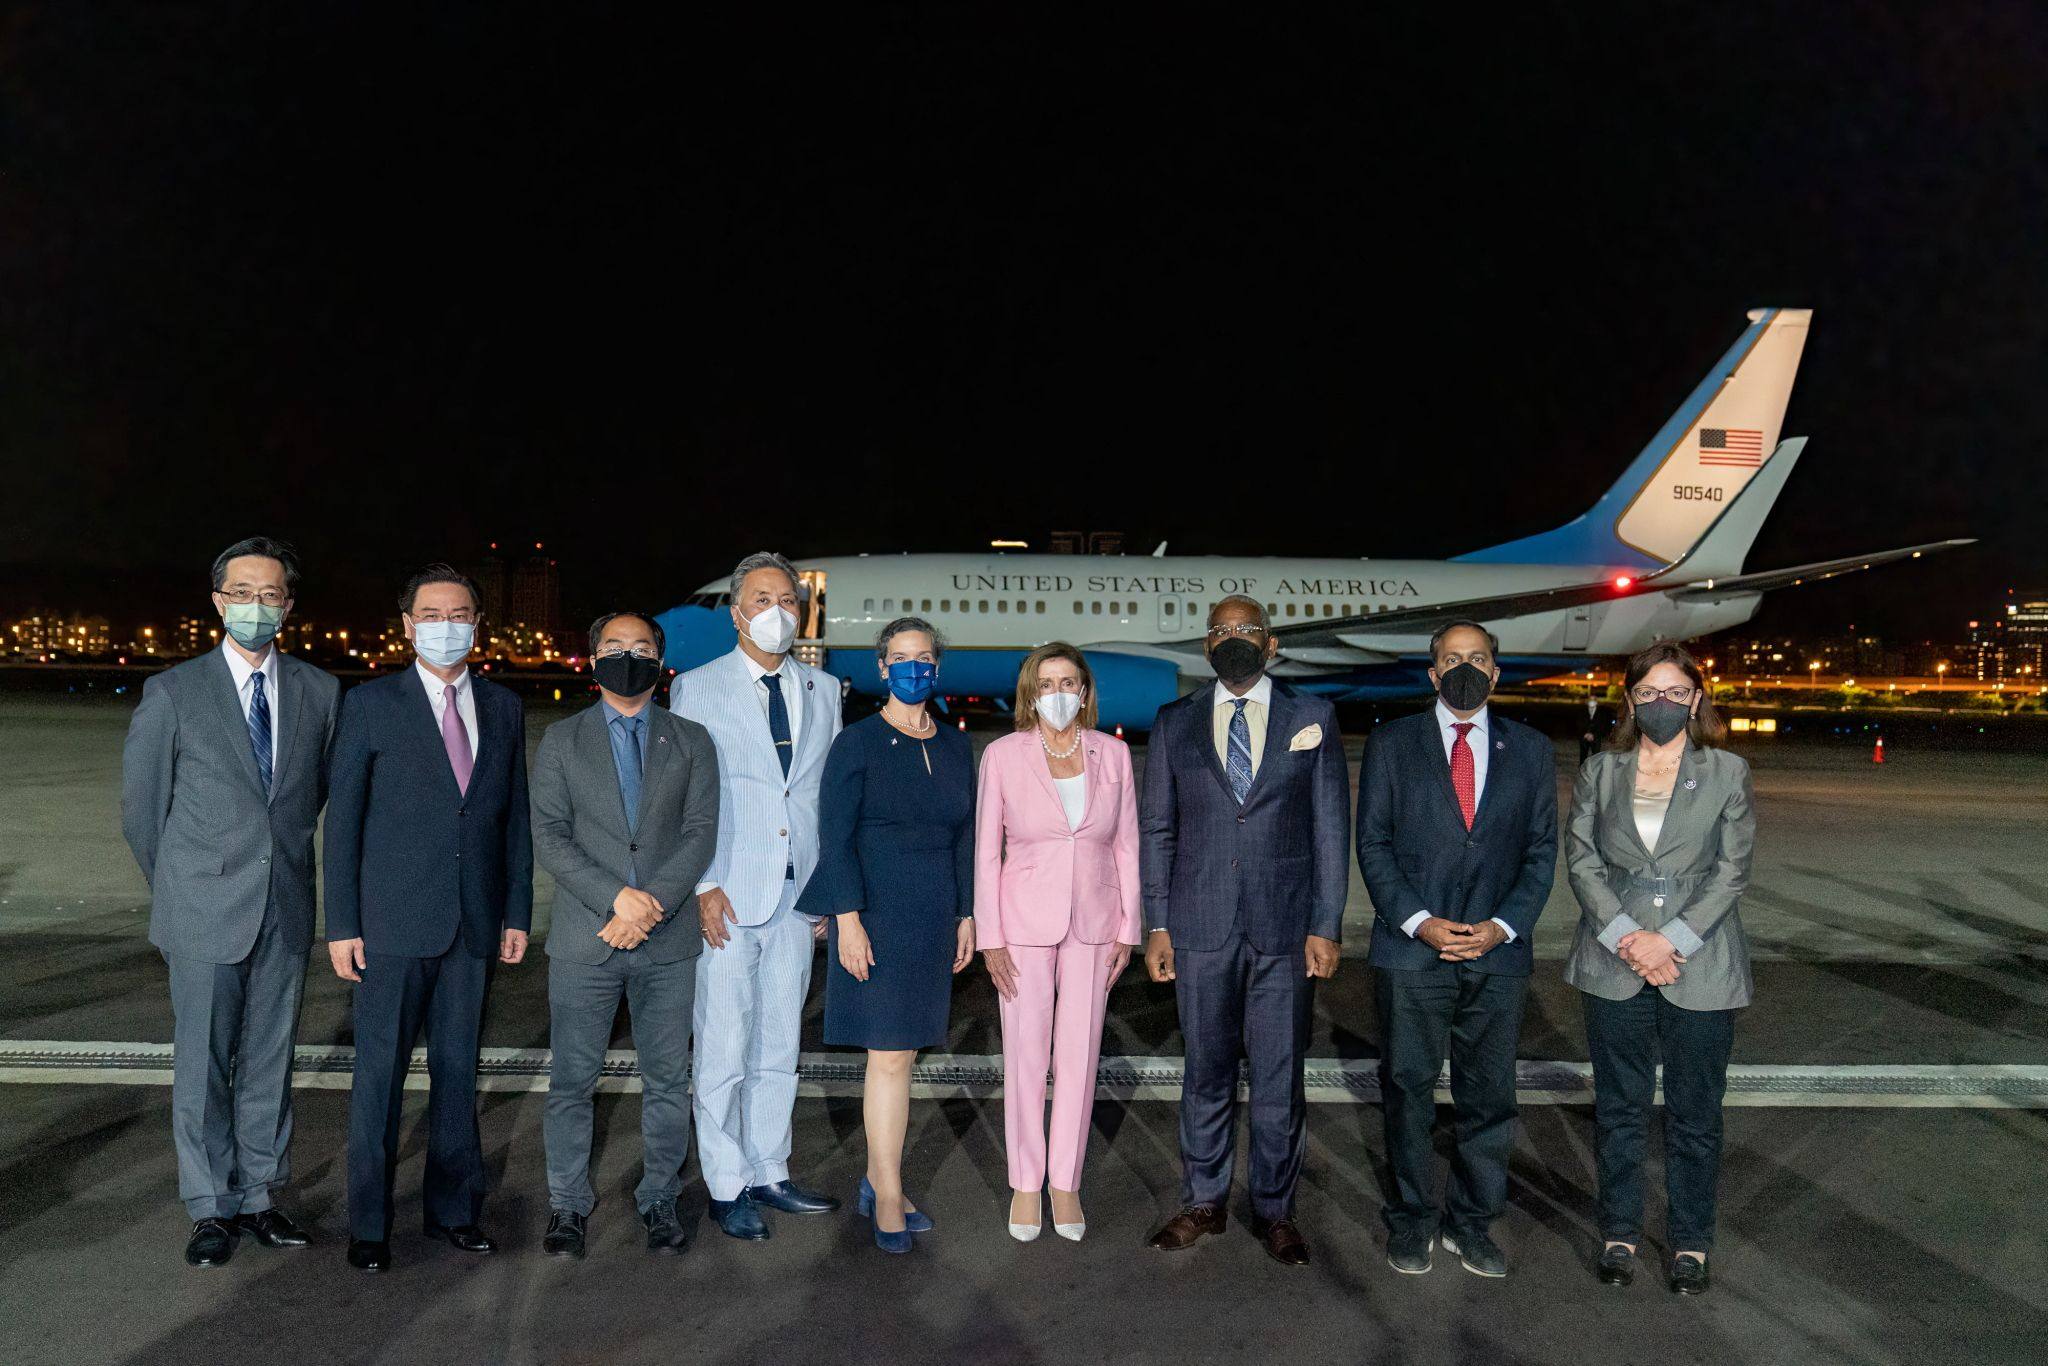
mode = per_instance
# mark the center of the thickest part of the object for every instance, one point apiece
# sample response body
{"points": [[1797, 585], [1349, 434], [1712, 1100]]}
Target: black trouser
{"points": [[1478, 1015], [397, 998], [1624, 1039]]}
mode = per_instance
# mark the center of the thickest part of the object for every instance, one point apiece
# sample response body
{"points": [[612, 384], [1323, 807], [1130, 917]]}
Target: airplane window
{"points": [[945, 604], [1095, 608], [1020, 608], [1039, 607], [1290, 609], [1272, 610], [867, 605], [1077, 609], [983, 607], [1167, 608], [927, 606], [888, 604], [1003, 606]]}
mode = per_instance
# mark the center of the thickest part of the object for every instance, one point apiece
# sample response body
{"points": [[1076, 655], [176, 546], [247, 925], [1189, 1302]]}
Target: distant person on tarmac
{"points": [[1589, 738], [222, 780], [1659, 847]]}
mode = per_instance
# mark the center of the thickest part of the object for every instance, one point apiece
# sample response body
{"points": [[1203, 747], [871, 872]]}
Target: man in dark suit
{"points": [[1243, 821], [429, 864], [625, 816], [1457, 838], [222, 780]]}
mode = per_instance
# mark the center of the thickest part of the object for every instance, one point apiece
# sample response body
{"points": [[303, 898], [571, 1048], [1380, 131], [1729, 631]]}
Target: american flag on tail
{"points": [[1731, 447]]}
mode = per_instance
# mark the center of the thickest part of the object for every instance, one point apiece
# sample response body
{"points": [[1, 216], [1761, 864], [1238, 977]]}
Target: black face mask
{"points": [[626, 675], [1237, 661], [1464, 687], [1662, 720]]}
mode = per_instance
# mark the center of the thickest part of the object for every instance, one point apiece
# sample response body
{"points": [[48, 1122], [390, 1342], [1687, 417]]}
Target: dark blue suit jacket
{"points": [[1276, 865], [1417, 855], [410, 859]]}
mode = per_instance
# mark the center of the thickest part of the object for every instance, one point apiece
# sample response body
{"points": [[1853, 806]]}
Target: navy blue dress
{"points": [[896, 843]]}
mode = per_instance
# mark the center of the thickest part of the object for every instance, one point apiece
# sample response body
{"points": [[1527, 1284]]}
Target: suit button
{"points": [[1240, 820], [1468, 844], [264, 859], [1233, 863], [632, 848], [782, 834]]}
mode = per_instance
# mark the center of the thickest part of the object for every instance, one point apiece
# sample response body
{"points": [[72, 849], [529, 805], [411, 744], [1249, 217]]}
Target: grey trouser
{"points": [[231, 1074], [582, 1003]]}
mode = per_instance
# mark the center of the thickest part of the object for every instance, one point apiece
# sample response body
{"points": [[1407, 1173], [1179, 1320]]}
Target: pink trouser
{"points": [[1057, 1020]]}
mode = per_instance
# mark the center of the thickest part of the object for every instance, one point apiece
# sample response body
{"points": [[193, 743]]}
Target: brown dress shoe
{"points": [[1185, 1229], [1284, 1243]]}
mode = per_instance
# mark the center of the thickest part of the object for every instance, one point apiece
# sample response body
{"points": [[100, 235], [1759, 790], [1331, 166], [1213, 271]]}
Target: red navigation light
{"points": [[1622, 581]]}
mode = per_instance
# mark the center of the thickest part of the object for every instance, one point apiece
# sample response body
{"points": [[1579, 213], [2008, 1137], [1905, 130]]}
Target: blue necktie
{"points": [[626, 754], [1239, 769], [778, 720], [259, 730]]}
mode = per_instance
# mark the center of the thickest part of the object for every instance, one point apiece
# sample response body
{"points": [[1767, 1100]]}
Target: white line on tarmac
{"points": [[975, 1076]]}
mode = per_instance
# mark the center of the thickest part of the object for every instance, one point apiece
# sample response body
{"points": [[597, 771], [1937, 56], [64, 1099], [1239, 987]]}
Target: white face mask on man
{"points": [[1058, 709], [773, 630]]}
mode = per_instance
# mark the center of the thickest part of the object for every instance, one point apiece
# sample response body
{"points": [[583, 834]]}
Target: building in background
{"points": [[521, 598], [2008, 646]]}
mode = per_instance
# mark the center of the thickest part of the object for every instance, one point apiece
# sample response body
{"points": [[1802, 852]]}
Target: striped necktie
{"points": [[1239, 769], [259, 729]]}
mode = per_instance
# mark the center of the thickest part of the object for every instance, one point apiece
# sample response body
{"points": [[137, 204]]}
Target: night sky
{"points": [[397, 282]]}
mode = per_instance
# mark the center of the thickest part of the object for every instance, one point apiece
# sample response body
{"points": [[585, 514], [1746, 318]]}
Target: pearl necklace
{"points": [[925, 729], [1069, 752]]}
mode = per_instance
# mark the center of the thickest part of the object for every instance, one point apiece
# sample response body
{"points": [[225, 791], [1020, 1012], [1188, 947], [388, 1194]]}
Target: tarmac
{"points": [[1900, 922]]}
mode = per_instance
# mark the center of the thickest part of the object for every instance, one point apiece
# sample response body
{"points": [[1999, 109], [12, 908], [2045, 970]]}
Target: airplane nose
{"points": [[696, 635]]}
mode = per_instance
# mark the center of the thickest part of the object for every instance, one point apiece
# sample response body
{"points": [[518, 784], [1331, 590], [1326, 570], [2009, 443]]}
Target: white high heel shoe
{"points": [[1073, 1233], [1025, 1233]]}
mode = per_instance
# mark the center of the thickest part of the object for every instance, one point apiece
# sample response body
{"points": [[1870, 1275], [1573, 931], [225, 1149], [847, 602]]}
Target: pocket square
{"points": [[1308, 737]]}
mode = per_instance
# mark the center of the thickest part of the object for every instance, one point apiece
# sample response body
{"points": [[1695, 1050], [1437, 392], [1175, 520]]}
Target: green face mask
{"points": [[252, 624]]}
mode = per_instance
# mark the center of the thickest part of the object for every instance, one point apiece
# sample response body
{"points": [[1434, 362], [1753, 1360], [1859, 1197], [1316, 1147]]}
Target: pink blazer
{"points": [[1034, 879]]}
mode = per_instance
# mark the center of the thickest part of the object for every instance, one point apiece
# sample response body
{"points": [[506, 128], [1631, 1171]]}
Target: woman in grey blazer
{"points": [[1658, 850]]}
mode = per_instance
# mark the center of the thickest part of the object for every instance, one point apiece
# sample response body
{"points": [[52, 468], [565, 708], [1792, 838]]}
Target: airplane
{"points": [[1659, 557]]}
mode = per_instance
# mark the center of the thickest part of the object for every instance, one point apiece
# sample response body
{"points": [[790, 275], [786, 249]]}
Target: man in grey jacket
{"points": [[222, 780], [625, 816]]}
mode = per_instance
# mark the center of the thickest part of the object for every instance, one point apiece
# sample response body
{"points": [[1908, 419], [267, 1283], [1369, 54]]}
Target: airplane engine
{"points": [[1131, 691]]}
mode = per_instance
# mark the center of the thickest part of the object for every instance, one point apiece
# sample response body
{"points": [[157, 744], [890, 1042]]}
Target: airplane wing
{"points": [[1710, 589]]}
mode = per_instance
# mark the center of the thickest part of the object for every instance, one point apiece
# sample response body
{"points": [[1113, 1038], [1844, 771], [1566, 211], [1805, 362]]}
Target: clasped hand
{"points": [[1651, 957], [1456, 942], [634, 916]]}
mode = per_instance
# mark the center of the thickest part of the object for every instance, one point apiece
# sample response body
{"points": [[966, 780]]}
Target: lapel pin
{"points": [[1691, 783], [1500, 744], [810, 685]]}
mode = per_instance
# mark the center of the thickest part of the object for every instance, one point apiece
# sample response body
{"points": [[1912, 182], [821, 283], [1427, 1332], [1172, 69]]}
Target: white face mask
{"points": [[773, 631], [1058, 709], [443, 644]]}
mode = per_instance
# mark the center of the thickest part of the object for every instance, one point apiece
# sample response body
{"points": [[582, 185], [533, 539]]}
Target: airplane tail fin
{"points": [[1699, 462]]}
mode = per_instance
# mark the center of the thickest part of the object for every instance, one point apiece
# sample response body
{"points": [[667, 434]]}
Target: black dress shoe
{"points": [[364, 1255], [665, 1236], [273, 1228], [1617, 1265], [1689, 1276], [739, 1219], [463, 1238], [564, 1237], [1411, 1253], [211, 1244], [790, 1198]]}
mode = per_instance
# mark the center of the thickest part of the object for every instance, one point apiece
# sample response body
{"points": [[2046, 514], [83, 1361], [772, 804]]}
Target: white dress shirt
{"points": [[791, 701], [242, 671], [465, 701], [1477, 739], [1258, 703]]}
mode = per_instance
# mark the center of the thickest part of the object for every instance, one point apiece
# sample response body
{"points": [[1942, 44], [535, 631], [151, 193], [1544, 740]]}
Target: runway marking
{"points": [[1329, 1081]]}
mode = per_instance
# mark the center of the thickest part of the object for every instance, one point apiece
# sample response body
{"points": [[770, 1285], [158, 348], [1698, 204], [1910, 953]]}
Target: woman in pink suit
{"points": [[1056, 916]]}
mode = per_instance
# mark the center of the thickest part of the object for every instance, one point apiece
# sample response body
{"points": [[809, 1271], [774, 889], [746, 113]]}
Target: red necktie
{"points": [[1463, 775]]}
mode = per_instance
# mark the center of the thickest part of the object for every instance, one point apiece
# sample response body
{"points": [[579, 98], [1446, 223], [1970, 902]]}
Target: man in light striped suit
{"points": [[772, 718]]}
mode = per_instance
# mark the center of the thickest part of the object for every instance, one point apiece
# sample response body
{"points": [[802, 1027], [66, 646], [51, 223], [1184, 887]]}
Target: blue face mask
{"points": [[443, 643], [912, 680]]}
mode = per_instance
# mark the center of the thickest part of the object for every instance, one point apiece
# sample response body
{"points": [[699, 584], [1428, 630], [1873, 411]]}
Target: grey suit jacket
{"points": [[1704, 850], [213, 851], [581, 836]]}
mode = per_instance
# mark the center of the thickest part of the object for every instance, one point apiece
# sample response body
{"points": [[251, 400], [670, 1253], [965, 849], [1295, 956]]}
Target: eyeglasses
{"points": [[460, 615], [1682, 696], [241, 597], [1242, 629], [638, 652]]}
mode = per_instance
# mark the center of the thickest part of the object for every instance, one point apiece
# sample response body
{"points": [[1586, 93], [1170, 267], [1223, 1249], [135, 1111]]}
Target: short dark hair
{"points": [[597, 630], [265, 546], [1258, 608], [902, 624], [1436, 641], [436, 572]]}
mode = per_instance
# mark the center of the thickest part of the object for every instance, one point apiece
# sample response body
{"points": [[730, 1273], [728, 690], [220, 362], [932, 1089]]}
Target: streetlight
{"points": [[1941, 676]]}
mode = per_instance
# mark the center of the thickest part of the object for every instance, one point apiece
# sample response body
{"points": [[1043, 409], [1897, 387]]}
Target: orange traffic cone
{"points": [[963, 723], [1877, 755], [1119, 730]]}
